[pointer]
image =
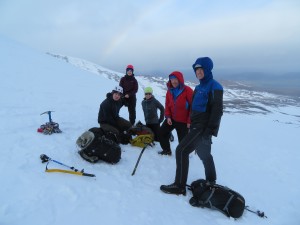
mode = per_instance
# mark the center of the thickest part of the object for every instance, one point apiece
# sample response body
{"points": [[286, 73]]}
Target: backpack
{"points": [[96, 144], [144, 135], [142, 140], [140, 129], [218, 197]]}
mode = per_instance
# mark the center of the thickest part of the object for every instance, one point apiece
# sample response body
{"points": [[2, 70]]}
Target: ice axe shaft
{"points": [[49, 114], [140, 156]]}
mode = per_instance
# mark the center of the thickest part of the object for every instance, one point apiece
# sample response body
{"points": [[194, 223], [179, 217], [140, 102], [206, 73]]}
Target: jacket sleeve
{"points": [[121, 82], [190, 93], [215, 113], [167, 109], [106, 115]]}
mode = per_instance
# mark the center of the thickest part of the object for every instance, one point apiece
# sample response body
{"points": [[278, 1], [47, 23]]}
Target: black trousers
{"points": [[131, 104], [194, 141], [165, 131], [155, 128], [122, 125]]}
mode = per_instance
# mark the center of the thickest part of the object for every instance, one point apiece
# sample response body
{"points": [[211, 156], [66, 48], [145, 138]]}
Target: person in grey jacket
{"points": [[150, 105]]}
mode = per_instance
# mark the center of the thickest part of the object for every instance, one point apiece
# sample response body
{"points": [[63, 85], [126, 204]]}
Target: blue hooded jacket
{"points": [[207, 105]]}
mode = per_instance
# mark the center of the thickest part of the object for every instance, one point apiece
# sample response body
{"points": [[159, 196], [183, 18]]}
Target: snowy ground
{"points": [[254, 154]]}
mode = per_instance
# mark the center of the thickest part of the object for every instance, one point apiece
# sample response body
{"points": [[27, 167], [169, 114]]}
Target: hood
{"points": [[179, 76], [207, 65], [109, 95]]}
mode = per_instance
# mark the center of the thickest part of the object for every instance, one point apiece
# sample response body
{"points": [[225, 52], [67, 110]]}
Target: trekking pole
{"points": [[259, 213], [75, 171], [137, 163]]}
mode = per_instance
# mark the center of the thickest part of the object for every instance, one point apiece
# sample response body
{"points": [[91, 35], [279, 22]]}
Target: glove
{"points": [[206, 140]]}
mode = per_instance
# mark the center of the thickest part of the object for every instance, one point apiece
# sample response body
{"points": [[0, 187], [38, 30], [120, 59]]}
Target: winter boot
{"points": [[173, 189], [164, 152]]}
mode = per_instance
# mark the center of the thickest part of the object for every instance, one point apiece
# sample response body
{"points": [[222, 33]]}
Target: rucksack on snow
{"points": [[142, 140], [95, 144], [144, 135], [218, 197]]}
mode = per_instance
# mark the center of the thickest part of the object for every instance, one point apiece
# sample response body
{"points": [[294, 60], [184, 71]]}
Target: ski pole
{"points": [[137, 163], [46, 158], [259, 213]]}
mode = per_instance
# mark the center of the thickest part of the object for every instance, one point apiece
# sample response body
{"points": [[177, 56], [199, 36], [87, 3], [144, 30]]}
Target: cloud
{"points": [[162, 34]]}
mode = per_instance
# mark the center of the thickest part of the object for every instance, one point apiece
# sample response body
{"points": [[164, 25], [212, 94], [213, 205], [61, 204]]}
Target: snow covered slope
{"points": [[255, 154]]}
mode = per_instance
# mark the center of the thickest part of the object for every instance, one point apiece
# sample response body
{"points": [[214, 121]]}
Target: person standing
{"points": [[207, 110], [177, 111], [150, 106], [130, 88]]}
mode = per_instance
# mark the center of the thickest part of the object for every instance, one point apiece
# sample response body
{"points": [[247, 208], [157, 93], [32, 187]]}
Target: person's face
{"points": [[174, 82], [199, 73], [148, 95], [116, 96], [129, 72]]}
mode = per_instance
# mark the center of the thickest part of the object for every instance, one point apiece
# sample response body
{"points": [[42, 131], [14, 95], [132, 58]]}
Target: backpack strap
{"points": [[209, 197], [208, 201], [227, 203]]}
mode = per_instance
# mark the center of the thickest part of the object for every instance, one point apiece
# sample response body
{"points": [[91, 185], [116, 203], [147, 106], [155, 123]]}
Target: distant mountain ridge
{"points": [[238, 97]]}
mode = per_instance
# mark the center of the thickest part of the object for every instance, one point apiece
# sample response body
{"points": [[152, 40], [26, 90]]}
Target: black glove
{"points": [[206, 140]]}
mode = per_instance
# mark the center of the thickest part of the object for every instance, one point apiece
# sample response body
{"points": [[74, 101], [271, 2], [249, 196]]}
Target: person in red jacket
{"points": [[177, 111], [130, 88]]}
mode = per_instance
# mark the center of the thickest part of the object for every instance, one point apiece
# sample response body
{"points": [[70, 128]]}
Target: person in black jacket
{"points": [[130, 88], [207, 110], [108, 116], [150, 105]]}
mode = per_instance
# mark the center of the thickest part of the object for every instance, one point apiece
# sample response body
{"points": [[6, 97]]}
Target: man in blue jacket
{"points": [[207, 110]]}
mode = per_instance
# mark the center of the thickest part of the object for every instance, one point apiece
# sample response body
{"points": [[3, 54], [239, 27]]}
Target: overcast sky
{"points": [[162, 35]]}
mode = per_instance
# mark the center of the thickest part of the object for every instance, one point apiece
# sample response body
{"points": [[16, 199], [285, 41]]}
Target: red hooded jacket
{"points": [[179, 108]]}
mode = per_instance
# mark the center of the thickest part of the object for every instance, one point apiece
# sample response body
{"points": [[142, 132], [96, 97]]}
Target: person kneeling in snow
{"points": [[109, 118]]}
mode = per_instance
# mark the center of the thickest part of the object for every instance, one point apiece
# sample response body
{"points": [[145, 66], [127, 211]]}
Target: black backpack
{"points": [[218, 197], [96, 144]]}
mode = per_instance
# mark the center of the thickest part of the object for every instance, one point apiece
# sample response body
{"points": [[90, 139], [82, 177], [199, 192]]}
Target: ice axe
{"points": [[137, 163], [49, 114], [72, 170]]}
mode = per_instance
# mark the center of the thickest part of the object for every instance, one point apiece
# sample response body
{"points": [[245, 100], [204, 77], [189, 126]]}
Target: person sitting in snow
{"points": [[108, 116], [130, 88], [150, 105], [207, 110], [177, 111]]}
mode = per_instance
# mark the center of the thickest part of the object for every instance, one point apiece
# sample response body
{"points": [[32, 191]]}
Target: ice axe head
{"points": [[44, 158], [49, 114]]}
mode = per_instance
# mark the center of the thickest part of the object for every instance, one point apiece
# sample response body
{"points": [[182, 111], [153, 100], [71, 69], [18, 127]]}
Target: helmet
{"points": [[148, 90], [129, 67], [118, 89]]}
